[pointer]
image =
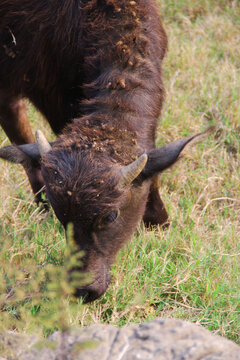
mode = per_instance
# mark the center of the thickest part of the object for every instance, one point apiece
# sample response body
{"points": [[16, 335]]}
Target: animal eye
{"points": [[110, 218]]}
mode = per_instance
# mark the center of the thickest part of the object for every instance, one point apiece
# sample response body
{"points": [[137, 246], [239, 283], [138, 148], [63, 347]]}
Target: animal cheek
{"points": [[104, 244], [127, 200], [60, 214]]}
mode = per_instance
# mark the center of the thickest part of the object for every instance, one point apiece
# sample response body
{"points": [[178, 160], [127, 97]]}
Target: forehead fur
{"points": [[80, 187], [100, 137]]}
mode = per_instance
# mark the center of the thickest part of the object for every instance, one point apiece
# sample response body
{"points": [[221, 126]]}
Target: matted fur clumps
{"points": [[81, 188], [100, 138], [119, 21], [121, 54]]}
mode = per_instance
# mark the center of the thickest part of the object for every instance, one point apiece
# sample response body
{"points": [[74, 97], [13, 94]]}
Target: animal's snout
{"points": [[95, 290], [88, 295]]}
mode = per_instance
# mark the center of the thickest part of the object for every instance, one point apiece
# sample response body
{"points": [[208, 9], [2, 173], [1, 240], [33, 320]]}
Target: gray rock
{"points": [[161, 339]]}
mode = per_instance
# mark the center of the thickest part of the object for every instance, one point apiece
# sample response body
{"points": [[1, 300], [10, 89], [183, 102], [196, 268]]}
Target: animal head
{"points": [[103, 198]]}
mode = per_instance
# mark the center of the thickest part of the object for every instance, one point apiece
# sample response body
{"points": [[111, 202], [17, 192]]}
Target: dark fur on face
{"points": [[81, 188]]}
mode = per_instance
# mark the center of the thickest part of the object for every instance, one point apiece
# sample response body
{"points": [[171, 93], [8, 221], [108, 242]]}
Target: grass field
{"points": [[191, 270]]}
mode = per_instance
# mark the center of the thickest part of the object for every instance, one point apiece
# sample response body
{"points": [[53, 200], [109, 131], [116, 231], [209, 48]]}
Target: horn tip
{"points": [[143, 159], [38, 134], [43, 145]]}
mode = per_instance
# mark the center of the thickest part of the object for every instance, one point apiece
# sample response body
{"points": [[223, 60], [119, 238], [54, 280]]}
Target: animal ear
{"points": [[21, 153], [162, 158]]}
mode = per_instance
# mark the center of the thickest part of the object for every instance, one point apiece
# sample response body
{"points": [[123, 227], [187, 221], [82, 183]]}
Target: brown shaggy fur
{"points": [[93, 68]]}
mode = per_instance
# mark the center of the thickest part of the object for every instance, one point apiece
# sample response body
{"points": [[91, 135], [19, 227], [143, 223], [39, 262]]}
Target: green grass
{"points": [[191, 270]]}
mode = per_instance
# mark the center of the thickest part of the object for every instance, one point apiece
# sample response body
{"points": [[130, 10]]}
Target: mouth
{"points": [[93, 291], [87, 295]]}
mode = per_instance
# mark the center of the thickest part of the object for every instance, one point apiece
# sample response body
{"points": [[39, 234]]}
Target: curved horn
{"points": [[131, 171], [43, 145]]}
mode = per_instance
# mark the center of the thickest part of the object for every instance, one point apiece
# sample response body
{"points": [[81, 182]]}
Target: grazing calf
{"points": [[93, 68]]}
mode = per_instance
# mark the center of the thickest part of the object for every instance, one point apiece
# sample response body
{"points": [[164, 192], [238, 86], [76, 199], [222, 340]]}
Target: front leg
{"points": [[155, 212], [15, 123]]}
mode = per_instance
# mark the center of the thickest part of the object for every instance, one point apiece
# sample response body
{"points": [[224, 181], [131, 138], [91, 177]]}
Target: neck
{"points": [[126, 99]]}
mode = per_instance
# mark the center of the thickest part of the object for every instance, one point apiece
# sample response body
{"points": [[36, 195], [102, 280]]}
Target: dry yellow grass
{"points": [[191, 270]]}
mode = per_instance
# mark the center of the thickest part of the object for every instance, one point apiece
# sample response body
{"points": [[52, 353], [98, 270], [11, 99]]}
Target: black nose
{"points": [[94, 290], [88, 295]]}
